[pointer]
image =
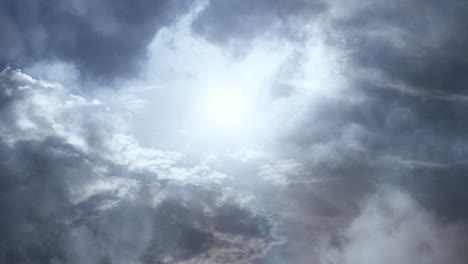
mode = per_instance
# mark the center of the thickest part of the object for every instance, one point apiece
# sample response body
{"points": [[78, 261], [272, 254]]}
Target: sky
{"points": [[246, 132]]}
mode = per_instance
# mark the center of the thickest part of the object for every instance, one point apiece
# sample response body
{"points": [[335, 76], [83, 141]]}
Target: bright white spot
{"points": [[225, 108]]}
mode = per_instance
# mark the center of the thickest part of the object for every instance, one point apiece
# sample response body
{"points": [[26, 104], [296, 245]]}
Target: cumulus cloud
{"points": [[75, 188]]}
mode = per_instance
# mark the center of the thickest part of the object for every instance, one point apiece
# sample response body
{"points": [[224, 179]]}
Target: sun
{"points": [[226, 108]]}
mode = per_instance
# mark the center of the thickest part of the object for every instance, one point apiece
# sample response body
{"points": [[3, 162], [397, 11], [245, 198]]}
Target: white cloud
{"points": [[393, 228], [284, 172], [98, 188]]}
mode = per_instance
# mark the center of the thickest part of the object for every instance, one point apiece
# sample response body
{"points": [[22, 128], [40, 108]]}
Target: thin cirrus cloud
{"points": [[236, 132]]}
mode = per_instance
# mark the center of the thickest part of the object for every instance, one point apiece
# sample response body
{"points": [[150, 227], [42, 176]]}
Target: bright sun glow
{"points": [[226, 108]]}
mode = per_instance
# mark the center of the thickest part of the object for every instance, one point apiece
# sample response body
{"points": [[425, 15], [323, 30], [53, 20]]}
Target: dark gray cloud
{"points": [[104, 39], [421, 51], [239, 22]]}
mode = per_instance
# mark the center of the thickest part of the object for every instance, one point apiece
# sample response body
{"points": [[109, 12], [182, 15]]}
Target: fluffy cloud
{"points": [[75, 188], [392, 228]]}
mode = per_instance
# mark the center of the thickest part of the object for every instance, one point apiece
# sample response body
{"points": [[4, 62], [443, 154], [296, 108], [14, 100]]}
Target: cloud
{"points": [[285, 172], [76, 188], [191, 224], [348, 97], [104, 40], [393, 228], [370, 95], [417, 51], [235, 23], [389, 83]]}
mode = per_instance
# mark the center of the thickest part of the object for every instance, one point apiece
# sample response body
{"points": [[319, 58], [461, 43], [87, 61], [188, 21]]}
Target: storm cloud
{"points": [[263, 131], [104, 39]]}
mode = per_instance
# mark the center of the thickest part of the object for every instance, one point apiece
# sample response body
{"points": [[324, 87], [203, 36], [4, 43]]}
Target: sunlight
{"points": [[225, 108]]}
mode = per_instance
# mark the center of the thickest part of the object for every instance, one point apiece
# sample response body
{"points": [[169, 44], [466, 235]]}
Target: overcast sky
{"points": [[247, 131]]}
